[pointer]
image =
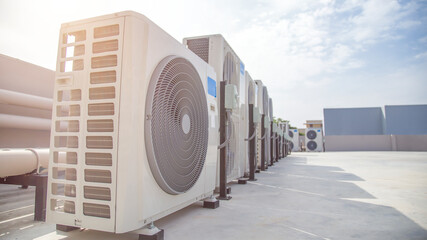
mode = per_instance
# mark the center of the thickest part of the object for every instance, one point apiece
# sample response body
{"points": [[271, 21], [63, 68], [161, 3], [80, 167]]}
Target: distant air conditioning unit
{"points": [[250, 98], [314, 140], [262, 101], [294, 144], [215, 51], [135, 115]]}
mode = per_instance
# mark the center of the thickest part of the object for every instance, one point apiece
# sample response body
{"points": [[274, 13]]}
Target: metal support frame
{"points": [[40, 182], [286, 148], [252, 145], [277, 148], [271, 163], [263, 143], [223, 151]]}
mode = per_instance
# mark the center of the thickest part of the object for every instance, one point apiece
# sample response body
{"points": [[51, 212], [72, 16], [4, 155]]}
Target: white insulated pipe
{"points": [[26, 100], [15, 162], [22, 122]]}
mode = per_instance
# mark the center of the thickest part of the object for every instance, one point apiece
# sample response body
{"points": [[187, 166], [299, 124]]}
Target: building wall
{"points": [[353, 121], [358, 143], [411, 142], [406, 120], [376, 143]]}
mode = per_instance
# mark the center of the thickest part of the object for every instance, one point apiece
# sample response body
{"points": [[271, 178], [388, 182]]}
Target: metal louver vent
{"points": [[312, 145], [311, 134], [291, 134], [200, 47], [176, 129]]}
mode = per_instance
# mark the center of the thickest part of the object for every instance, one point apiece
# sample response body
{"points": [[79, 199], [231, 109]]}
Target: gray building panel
{"points": [[353, 121], [406, 120]]}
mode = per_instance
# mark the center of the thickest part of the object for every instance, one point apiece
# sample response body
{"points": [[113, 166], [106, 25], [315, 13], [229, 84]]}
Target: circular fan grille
{"points": [[291, 134], [176, 129], [312, 145], [311, 134], [291, 145]]}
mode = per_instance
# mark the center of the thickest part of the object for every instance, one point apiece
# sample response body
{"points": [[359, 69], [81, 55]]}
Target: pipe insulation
{"points": [[15, 162], [26, 100], [21, 122]]}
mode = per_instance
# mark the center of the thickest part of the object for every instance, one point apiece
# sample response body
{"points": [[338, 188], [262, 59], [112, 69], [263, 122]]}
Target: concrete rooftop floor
{"points": [[334, 195]]}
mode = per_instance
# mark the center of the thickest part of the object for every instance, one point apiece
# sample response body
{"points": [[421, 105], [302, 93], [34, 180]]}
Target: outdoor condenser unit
{"points": [[216, 51], [314, 140], [140, 116]]}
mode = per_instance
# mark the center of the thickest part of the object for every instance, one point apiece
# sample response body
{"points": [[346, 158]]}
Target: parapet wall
{"points": [[376, 143]]}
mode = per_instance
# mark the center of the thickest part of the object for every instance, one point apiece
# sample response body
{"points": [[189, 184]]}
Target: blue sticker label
{"points": [[211, 87], [318, 130], [242, 68], [295, 130]]}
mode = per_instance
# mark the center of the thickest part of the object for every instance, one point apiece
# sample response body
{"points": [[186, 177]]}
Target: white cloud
{"points": [[376, 19], [318, 82], [408, 24], [423, 39], [421, 55]]}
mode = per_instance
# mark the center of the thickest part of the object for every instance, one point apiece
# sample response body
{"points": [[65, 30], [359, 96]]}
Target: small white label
{"points": [[212, 120]]}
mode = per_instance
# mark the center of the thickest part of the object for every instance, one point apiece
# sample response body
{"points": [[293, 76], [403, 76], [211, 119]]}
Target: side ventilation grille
{"points": [[200, 47], [85, 117]]}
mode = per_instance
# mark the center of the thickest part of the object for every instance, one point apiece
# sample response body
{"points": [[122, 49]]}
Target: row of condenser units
{"points": [[141, 123], [313, 141]]}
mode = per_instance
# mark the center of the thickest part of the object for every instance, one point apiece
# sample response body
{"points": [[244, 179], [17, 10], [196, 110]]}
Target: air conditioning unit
{"points": [[141, 122], [262, 101], [215, 51], [282, 142], [294, 144], [250, 98], [314, 140]]}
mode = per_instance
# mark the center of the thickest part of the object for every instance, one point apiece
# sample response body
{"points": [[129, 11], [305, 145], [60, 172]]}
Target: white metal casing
{"points": [[260, 96], [294, 136], [133, 48], [216, 51], [318, 140], [262, 102], [251, 98]]}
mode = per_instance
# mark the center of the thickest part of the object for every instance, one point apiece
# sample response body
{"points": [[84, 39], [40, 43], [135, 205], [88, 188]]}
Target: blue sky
{"points": [[310, 54]]}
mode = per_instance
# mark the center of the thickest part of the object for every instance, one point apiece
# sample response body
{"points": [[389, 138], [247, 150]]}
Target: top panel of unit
{"points": [[258, 82], [205, 36], [104, 17], [217, 37]]}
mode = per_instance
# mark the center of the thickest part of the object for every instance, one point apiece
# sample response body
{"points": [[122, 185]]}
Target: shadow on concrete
{"points": [[294, 173], [292, 200]]}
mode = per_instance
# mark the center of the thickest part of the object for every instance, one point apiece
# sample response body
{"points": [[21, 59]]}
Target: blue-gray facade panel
{"points": [[353, 121], [406, 119]]}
